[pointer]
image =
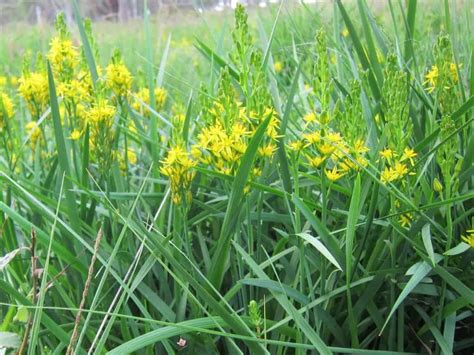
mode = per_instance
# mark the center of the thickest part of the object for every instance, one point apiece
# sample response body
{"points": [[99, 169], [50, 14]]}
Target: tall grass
{"points": [[266, 253]]}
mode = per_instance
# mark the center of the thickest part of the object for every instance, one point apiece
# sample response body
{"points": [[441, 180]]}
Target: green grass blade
{"points": [[85, 43], [360, 51], [420, 270], [215, 58], [329, 240], [410, 30], [354, 212], [62, 152], [277, 287], [321, 248], [426, 236], [161, 70]]}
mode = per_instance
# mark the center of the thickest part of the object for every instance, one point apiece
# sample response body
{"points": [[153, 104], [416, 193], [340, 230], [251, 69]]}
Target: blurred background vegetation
{"points": [[28, 26]]}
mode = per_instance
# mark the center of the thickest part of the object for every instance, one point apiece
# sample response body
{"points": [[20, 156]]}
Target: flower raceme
{"points": [[177, 166], [33, 87], [63, 56], [100, 118], [119, 79], [433, 80], [6, 109]]}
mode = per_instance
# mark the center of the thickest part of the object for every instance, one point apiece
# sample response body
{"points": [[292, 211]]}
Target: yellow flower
{"points": [[387, 154], [431, 78], [118, 79], [316, 161], [333, 174], [359, 147], [405, 219], [296, 145], [346, 165], [75, 135], [267, 150], [469, 238], [388, 175], [132, 156], [400, 170], [326, 149], [345, 32], [453, 69], [362, 161], [313, 137], [278, 66], [256, 172], [3, 80], [273, 126], [408, 154], [333, 137], [310, 117]]}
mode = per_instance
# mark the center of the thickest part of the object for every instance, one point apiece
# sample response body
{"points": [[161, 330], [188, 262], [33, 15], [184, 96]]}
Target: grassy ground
{"points": [[297, 182]]}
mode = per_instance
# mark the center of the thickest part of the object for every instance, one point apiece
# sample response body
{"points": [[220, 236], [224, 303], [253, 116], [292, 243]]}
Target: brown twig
{"points": [[72, 343], [34, 276]]}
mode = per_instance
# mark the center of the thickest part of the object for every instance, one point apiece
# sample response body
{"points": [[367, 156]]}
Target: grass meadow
{"points": [[290, 180]]}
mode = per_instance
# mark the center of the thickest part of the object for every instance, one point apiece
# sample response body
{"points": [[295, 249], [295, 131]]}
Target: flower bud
{"points": [[437, 185]]}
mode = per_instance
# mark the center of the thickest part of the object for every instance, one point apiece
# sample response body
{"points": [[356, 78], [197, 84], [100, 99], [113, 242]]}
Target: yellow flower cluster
{"points": [[321, 146], [432, 77], [396, 169], [6, 109], [33, 87], [118, 79], [101, 119], [178, 167], [74, 91], [101, 114], [63, 55], [223, 148]]}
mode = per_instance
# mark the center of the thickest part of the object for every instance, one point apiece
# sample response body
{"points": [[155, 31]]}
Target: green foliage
{"points": [[303, 188]]}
